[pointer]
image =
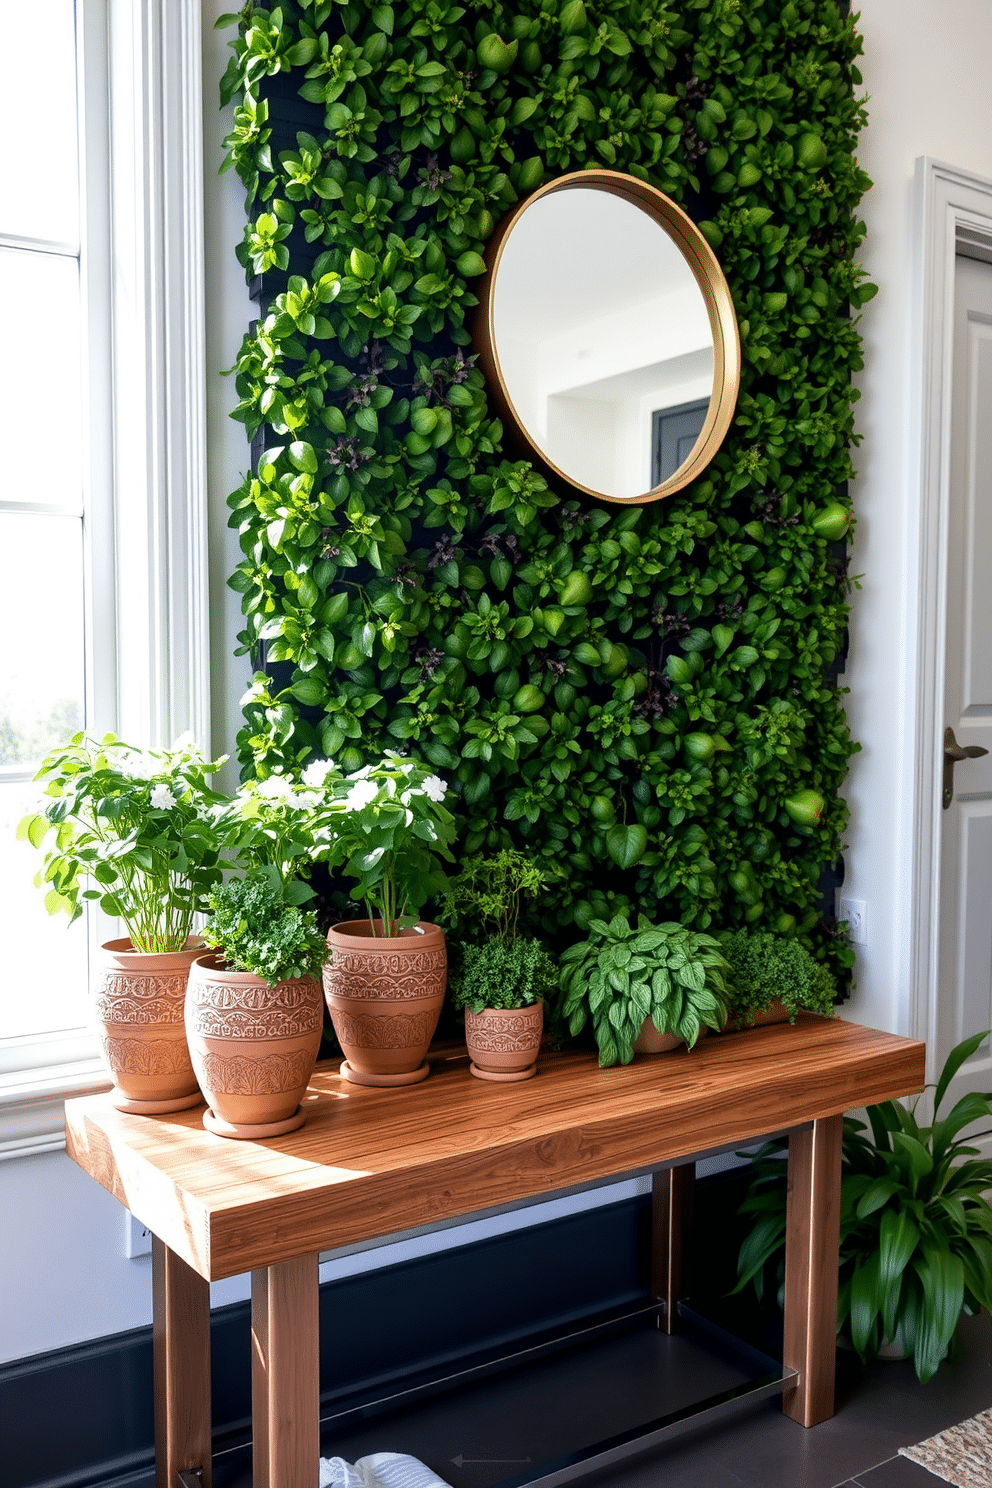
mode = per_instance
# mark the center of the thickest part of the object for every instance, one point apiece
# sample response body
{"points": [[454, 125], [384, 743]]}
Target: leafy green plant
{"points": [[281, 823], [387, 826], [623, 974], [645, 691], [915, 1229], [135, 825], [259, 929], [504, 974], [764, 966], [486, 896]]}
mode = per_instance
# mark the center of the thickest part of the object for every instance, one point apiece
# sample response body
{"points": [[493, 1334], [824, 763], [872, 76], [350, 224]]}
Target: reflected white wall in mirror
{"points": [[599, 323]]}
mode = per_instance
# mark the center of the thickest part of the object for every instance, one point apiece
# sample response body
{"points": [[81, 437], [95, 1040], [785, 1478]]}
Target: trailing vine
{"points": [[636, 692]]}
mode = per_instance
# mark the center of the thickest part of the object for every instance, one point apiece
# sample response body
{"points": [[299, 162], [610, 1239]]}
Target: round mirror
{"points": [[607, 333]]}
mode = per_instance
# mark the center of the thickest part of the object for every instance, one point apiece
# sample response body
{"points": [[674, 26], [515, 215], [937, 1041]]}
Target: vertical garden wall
{"points": [[645, 699]]}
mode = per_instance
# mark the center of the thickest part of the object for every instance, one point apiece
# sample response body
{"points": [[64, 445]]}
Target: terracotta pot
{"points": [[253, 1047], [139, 1010], [504, 1042], [385, 996], [774, 1013], [650, 1041]]}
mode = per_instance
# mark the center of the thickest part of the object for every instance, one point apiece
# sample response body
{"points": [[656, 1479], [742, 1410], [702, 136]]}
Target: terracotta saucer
{"points": [[247, 1131], [503, 1077], [155, 1107], [408, 1077]]}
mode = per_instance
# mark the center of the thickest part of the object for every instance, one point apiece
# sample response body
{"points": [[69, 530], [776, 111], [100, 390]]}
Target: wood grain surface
{"points": [[812, 1238], [181, 1352], [372, 1162], [285, 1374]]}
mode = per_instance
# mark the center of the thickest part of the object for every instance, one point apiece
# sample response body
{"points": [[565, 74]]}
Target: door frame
{"points": [[952, 206]]}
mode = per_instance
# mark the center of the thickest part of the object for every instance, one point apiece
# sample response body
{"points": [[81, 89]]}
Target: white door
{"points": [[965, 966]]}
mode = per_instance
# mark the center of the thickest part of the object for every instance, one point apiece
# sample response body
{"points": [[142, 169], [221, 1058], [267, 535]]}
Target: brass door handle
{"points": [[953, 752]]}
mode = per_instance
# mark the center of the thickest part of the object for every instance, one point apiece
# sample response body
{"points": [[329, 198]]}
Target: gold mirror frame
{"points": [[716, 294]]}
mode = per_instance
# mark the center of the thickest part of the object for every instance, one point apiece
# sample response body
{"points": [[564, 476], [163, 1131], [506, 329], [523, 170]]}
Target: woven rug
{"points": [[961, 1455]]}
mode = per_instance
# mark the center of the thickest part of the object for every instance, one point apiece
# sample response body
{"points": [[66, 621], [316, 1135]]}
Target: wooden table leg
{"points": [[181, 1351], [285, 1375], [672, 1194], [811, 1245]]}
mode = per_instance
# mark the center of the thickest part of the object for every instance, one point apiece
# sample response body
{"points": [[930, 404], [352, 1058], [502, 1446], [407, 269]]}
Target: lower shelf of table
{"points": [[552, 1414]]}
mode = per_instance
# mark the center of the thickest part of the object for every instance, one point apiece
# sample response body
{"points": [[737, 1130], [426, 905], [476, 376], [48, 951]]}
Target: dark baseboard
{"points": [[81, 1416]]}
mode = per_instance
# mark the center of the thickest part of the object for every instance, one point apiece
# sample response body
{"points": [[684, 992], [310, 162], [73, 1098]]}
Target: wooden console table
{"points": [[371, 1163]]}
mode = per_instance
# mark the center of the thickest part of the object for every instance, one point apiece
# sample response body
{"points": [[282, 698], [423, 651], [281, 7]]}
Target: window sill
{"points": [[32, 1104]]}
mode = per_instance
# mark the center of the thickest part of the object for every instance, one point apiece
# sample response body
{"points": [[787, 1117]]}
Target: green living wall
{"points": [[645, 699]]}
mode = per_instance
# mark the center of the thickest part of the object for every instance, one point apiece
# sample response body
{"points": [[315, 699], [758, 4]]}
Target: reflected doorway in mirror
{"points": [[603, 303]]}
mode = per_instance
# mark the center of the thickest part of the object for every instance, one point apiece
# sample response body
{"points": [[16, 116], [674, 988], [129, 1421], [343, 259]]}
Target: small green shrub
{"points": [[764, 966], [258, 931], [622, 975], [487, 897], [504, 975]]}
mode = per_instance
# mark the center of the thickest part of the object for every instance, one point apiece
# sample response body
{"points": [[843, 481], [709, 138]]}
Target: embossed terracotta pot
{"points": [[253, 1047], [504, 1043], [139, 1011], [385, 996]]}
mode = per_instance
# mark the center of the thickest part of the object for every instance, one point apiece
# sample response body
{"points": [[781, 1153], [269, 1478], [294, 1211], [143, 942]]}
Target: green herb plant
{"points": [[259, 930], [645, 691], [623, 974], [497, 967], [133, 830], [765, 966], [387, 827], [915, 1228]]}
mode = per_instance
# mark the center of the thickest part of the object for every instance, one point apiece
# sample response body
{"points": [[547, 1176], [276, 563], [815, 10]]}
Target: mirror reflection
{"points": [[604, 341]]}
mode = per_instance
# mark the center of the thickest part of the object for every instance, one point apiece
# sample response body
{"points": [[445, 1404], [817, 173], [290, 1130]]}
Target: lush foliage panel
{"points": [[635, 693]]}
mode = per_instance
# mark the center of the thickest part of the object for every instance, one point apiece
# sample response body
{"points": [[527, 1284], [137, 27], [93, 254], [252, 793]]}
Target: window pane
{"points": [[44, 982], [42, 683], [38, 121], [40, 368]]}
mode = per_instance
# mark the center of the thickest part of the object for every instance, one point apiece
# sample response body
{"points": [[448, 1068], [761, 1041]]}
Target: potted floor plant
{"points": [[646, 988], [915, 1227], [132, 830], [503, 977], [772, 978], [254, 1005], [385, 978]]}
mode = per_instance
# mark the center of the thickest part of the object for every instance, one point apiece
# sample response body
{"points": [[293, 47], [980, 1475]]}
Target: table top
{"points": [[373, 1162]]}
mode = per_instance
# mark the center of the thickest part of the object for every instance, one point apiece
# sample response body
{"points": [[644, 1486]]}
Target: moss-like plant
{"points": [[486, 897], [623, 974], [500, 974], [644, 691], [258, 930], [764, 967]]}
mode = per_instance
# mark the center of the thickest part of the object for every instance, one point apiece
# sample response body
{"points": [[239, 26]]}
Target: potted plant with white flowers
{"points": [[386, 974], [131, 829], [254, 1006]]}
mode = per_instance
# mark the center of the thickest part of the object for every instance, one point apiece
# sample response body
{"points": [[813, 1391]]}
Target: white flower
{"points": [[317, 772], [304, 799], [141, 766], [275, 788], [362, 793], [361, 774], [185, 744], [162, 798], [435, 788]]}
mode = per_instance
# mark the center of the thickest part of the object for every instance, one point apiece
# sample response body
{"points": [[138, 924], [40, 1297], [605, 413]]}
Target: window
{"points": [[102, 501]]}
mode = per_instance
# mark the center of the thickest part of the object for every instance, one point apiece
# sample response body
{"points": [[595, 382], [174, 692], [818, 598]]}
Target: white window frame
{"points": [[141, 70]]}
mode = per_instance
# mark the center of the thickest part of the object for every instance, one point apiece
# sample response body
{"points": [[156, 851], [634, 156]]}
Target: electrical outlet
{"points": [[855, 912], [137, 1237]]}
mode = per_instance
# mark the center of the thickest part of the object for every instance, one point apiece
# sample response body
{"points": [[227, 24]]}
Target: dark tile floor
{"points": [[490, 1434]]}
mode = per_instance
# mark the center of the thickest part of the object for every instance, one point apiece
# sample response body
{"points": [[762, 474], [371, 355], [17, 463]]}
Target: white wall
{"points": [[66, 1278], [926, 71]]}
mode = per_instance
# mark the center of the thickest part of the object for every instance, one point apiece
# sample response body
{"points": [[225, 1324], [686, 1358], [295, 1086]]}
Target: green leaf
{"points": [[626, 845], [953, 1063]]}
